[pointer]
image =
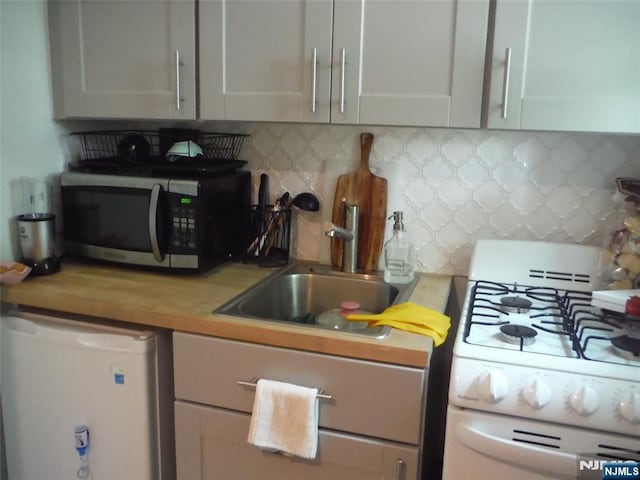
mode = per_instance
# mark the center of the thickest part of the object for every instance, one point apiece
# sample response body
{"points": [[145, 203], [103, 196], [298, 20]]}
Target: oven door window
{"points": [[112, 217]]}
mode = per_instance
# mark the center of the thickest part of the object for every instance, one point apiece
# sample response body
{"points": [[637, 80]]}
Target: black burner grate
{"points": [[519, 314], [487, 308]]}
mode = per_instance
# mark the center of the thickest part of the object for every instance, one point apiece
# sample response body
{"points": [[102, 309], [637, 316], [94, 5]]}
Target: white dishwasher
{"points": [[82, 399]]}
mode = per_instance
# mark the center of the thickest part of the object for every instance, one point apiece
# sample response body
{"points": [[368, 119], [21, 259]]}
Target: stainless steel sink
{"points": [[301, 291]]}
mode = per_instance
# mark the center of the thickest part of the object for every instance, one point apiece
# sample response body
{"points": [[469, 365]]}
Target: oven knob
{"points": [[584, 401], [537, 394], [629, 407], [492, 386]]}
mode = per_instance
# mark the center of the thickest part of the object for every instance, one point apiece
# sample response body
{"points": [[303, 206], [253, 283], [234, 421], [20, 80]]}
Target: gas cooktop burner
{"points": [[515, 304], [627, 345], [534, 317], [519, 334]]}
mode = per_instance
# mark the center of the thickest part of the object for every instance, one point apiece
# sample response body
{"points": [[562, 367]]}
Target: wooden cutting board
{"points": [[369, 191]]}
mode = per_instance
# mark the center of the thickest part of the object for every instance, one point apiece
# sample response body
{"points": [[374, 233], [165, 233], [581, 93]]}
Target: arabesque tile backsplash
{"points": [[454, 186]]}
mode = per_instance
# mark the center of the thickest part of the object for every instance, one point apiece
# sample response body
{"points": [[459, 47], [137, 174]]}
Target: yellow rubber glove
{"points": [[410, 317]]}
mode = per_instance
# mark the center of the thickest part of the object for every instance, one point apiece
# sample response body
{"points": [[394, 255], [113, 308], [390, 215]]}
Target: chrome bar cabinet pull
{"points": [[178, 64], [505, 82], [343, 64], [314, 78]]}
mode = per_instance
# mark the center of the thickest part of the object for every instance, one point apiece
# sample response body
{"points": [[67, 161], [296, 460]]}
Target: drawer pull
{"points": [[253, 384], [400, 465]]}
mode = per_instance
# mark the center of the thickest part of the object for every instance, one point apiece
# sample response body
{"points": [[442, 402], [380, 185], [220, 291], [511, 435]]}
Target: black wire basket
{"points": [[108, 144]]}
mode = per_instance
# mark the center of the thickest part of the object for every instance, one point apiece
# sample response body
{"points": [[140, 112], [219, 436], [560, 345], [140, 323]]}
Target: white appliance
{"points": [[615, 300], [85, 400], [540, 378]]}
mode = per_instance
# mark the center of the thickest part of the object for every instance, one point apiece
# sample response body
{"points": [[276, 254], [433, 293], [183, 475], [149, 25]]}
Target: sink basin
{"points": [[300, 292]]}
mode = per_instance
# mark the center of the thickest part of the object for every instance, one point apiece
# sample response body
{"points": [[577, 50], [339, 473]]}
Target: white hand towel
{"points": [[285, 418]]}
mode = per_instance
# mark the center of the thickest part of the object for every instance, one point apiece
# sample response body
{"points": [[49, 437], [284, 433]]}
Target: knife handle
{"points": [[263, 191]]}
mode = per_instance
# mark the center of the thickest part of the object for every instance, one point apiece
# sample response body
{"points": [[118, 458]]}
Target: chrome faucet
{"points": [[348, 233]]}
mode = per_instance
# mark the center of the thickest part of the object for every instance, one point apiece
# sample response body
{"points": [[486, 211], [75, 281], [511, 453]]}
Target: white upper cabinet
{"points": [[393, 62], [566, 65], [265, 60], [123, 59], [409, 62]]}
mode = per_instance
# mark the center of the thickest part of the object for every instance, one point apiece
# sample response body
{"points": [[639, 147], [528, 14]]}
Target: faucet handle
{"points": [[328, 227]]}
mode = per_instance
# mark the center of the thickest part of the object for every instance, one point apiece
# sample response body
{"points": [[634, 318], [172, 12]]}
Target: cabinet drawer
{"points": [[368, 398], [211, 443]]}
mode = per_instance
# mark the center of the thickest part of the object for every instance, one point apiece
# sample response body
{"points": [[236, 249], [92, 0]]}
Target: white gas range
{"points": [[540, 378]]}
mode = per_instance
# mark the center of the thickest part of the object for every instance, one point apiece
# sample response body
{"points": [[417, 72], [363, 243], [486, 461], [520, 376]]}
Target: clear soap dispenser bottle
{"points": [[398, 254]]}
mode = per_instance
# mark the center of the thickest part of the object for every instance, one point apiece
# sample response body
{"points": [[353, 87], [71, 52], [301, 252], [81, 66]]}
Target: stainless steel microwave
{"points": [[174, 223]]}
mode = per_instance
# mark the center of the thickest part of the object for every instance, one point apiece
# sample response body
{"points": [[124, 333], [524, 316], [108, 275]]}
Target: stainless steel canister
{"points": [[36, 232]]}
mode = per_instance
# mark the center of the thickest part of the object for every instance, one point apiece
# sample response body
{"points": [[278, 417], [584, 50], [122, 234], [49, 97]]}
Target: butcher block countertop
{"points": [[185, 303]]}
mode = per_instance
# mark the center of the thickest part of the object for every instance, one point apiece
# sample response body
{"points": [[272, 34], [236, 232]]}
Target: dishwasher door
{"points": [[58, 374]]}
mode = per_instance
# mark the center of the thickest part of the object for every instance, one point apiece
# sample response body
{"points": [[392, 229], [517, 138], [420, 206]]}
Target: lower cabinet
{"points": [[371, 427], [211, 443]]}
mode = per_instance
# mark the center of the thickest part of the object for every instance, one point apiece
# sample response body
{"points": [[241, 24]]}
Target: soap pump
{"points": [[398, 254]]}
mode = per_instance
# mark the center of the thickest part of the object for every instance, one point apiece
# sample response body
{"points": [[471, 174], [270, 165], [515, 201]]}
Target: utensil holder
{"points": [[270, 235]]}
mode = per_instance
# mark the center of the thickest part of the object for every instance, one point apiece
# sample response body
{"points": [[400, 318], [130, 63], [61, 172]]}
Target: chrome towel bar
{"points": [[253, 383]]}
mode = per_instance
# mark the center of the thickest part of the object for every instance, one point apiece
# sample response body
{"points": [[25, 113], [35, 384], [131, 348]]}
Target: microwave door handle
{"points": [[153, 228]]}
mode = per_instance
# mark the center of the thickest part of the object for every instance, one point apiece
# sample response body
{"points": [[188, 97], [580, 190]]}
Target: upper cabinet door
{"points": [[123, 59], [566, 65], [409, 62], [265, 60]]}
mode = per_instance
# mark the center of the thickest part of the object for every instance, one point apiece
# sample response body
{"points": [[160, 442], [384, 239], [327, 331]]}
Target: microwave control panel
{"points": [[182, 210]]}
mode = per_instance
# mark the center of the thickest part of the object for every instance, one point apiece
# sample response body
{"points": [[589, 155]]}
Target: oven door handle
{"points": [[153, 226], [522, 454]]}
